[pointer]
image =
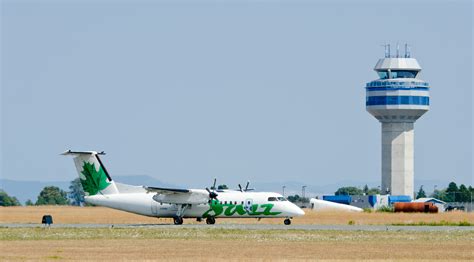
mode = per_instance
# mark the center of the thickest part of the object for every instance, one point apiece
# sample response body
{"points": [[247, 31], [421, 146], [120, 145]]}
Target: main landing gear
{"points": [[287, 221], [178, 220], [210, 220]]}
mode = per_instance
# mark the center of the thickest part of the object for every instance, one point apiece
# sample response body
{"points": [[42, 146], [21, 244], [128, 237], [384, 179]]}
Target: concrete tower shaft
{"points": [[397, 99], [398, 158]]}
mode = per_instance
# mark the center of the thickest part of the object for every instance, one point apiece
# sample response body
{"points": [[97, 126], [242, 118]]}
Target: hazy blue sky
{"points": [[190, 90]]}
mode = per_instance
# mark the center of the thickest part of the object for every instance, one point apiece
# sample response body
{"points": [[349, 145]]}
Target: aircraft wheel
{"points": [[210, 221], [178, 220], [287, 221]]}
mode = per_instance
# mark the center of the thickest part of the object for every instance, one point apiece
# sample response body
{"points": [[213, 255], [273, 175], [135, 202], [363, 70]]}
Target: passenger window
{"points": [[282, 199], [242, 202], [272, 199]]}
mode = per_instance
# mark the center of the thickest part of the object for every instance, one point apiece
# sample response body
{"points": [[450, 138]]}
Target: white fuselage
{"points": [[229, 203]]}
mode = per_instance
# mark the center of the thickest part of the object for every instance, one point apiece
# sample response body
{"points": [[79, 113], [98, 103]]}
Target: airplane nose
{"points": [[297, 211], [300, 212]]}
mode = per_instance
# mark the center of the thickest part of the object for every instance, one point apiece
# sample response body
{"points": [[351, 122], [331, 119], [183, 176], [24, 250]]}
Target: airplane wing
{"points": [[178, 196], [162, 190]]}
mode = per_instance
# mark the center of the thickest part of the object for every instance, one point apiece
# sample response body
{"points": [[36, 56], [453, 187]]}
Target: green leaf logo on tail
{"points": [[95, 180]]}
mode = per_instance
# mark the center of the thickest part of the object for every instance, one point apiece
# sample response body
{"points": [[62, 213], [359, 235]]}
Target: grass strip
{"points": [[8, 234], [436, 223]]}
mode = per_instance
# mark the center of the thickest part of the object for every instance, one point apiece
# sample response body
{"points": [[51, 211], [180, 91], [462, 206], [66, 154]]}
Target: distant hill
{"points": [[24, 190], [295, 187]]}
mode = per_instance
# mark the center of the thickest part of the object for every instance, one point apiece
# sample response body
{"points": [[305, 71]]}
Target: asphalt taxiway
{"points": [[256, 227]]}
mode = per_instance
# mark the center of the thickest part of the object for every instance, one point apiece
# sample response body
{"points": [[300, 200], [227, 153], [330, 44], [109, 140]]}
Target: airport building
{"points": [[397, 99]]}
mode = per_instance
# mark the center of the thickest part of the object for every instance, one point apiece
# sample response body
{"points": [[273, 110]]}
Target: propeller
{"points": [[247, 186], [214, 185], [212, 194]]}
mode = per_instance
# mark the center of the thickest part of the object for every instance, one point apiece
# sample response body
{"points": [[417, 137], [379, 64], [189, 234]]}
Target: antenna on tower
{"points": [[407, 51], [387, 50]]}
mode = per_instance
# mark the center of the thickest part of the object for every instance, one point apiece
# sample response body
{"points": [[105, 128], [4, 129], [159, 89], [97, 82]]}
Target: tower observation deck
{"points": [[397, 99]]}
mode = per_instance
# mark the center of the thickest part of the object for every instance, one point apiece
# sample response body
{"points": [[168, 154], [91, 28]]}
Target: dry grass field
{"points": [[203, 244], [102, 215], [230, 244]]}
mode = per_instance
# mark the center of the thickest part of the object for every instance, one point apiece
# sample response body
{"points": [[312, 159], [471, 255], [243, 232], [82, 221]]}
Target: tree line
{"points": [[52, 195], [452, 193]]}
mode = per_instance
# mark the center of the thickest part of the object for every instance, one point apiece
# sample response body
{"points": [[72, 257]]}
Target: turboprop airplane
{"points": [[207, 203]]}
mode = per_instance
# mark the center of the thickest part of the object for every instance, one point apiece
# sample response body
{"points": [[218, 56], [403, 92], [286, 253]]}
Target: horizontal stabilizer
{"points": [[69, 152]]}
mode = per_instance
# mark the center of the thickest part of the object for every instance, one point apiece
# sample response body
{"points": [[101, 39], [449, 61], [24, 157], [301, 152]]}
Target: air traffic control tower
{"points": [[397, 99]]}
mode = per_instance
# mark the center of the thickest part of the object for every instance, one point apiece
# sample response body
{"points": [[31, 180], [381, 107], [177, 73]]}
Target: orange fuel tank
{"points": [[411, 207]]}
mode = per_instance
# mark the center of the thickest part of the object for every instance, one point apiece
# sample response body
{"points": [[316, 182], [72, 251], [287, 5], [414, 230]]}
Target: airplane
{"points": [[176, 203]]}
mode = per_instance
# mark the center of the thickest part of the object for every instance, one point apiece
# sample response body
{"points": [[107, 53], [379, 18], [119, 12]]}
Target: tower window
{"points": [[383, 74], [403, 74]]}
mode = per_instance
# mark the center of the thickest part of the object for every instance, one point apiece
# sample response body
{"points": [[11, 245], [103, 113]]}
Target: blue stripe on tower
{"points": [[397, 88], [397, 100]]}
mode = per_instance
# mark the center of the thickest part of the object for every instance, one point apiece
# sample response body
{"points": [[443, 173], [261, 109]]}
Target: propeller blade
{"points": [[240, 187], [212, 195], [214, 185], [247, 186]]}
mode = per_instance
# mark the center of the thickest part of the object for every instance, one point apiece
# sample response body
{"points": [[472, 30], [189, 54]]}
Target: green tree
{"points": [[471, 193], [464, 194], [294, 198], [421, 193], [440, 194], [452, 187], [452, 193], [76, 193], [366, 189], [6, 200], [52, 195], [374, 191], [349, 190], [29, 203]]}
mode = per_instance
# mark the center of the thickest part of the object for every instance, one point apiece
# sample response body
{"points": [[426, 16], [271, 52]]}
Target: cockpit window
{"points": [[272, 199], [282, 199]]}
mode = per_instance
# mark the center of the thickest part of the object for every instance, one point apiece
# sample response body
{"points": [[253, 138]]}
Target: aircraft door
{"points": [[248, 205], [154, 207]]}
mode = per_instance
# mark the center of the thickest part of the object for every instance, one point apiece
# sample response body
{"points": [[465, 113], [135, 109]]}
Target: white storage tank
{"points": [[322, 205]]}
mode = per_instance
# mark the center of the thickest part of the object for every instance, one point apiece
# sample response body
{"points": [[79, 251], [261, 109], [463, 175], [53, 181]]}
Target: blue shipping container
{"points": [[393, 199], [341, 199], [372, 200]]}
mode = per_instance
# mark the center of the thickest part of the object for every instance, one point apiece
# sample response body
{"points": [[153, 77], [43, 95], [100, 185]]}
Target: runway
{"points": [[258, 227]]}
